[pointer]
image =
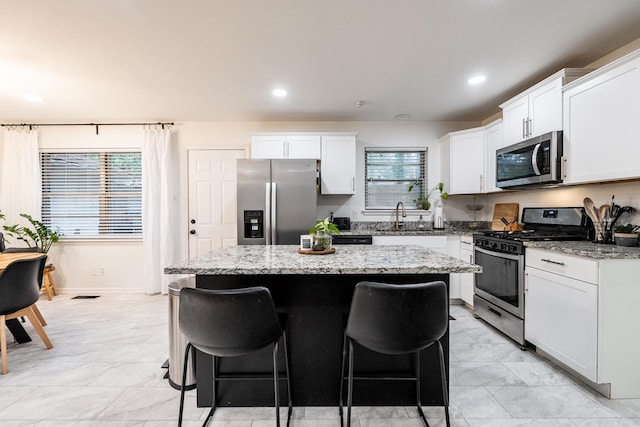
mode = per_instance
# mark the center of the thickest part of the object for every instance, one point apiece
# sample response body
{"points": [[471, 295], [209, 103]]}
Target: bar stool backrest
{"points": [[398, 319], [228, 322]]}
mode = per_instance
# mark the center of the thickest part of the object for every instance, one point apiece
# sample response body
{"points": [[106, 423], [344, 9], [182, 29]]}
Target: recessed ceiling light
{"points": [[33, 98], [402, 116], [476, 80], [280, 93]]}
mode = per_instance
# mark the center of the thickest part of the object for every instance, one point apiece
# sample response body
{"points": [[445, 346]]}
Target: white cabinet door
{"points": [[545, 108], [338, 165], [436, 243], [466, 279], [561, 318], [601, 125], [268, 147], [493, 142], [303, 147], [285, 147], [467, 162], [514, 120]]}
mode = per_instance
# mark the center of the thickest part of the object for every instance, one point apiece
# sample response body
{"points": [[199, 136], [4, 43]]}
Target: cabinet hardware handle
{"points": [[563, 167], [353, 183], [552, 262], [494, 311], [481, 183], [529, 127], [524, 134]]}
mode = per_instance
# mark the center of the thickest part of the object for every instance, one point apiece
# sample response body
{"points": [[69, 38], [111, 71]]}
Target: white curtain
{"points": [[159, 208], [20, 186]]}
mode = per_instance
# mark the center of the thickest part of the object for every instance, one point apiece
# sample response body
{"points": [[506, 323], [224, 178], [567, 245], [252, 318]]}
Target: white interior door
{"points": [[212, 199]]}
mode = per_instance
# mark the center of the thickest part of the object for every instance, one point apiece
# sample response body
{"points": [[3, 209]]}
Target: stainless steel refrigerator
{"points": [[276, 200]]}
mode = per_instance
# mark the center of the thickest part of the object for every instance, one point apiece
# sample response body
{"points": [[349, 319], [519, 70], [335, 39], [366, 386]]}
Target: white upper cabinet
{"points": [[538, 110], [285, 147], [462, 158], [493, 142], [601, 113], [338, 165]]}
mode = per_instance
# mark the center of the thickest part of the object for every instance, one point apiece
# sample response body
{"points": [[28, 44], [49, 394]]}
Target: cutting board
{"points": [[507, 210]]}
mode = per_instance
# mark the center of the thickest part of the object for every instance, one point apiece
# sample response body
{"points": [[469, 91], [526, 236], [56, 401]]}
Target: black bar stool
{"points": [[228, 323], [396, 319]]}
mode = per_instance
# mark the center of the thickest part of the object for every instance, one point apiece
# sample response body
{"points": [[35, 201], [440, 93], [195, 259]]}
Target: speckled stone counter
{"points": [[315, 292], [348, 259], [588, 249]]}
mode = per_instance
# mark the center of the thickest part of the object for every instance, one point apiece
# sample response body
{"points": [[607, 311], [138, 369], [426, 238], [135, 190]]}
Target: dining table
{"points": [[16, 329]]}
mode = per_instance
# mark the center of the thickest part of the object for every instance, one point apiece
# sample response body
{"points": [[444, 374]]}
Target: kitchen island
{"points": [[315, 292]]}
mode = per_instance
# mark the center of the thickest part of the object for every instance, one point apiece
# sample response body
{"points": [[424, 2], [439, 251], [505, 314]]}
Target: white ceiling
{"points": [[183, 60]]}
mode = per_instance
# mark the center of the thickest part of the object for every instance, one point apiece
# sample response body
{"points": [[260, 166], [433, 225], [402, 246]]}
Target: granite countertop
{"points": [[445, 232], [588, 249], [348, 259]]}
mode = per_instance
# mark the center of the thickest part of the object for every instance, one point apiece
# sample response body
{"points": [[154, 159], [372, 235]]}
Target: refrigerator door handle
{"points": [[274, 221], [267, 213]]}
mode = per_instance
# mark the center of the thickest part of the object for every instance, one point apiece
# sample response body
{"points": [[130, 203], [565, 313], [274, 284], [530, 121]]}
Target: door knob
{"points": [[193, 221], [192, 231]]}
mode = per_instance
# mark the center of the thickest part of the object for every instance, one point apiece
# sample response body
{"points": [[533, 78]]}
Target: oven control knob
{"points": [[513, 248], [504, 247], [493, 245]]}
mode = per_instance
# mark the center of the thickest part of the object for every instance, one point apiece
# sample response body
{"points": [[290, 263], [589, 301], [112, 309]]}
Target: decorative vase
{"points": [[626, 239], [321, 242]]}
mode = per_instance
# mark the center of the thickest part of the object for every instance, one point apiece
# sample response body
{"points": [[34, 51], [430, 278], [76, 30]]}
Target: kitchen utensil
{"points": [[504, 221], [507, 210], [590, 209], [604, 212]]}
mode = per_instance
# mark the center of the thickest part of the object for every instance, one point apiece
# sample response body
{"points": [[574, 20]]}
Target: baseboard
{"points": [[101, 290]]}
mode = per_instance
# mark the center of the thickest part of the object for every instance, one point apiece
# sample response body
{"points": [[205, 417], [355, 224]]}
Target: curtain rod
{"points": [[97, 125]]}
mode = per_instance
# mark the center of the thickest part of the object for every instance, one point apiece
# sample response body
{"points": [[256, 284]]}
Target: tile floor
{"points": [[105, 371]]}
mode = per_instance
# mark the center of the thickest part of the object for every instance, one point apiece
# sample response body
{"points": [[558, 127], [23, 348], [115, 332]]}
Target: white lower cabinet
{"points": [[467, 280], [435, 243], [561, 318], [583, 312]]}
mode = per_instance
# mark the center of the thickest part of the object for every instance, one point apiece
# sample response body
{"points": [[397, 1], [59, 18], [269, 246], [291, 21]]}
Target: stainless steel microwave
{"points": [[534, 161]]}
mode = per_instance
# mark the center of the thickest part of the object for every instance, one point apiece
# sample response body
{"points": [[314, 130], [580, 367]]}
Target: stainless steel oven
{"points": [[499, 290]]}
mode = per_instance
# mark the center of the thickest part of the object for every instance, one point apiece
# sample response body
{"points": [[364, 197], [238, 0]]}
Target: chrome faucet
{"points": [[399, 223]]}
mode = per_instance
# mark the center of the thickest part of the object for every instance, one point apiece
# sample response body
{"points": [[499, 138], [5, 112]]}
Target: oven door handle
{"points": [[498, 254]]}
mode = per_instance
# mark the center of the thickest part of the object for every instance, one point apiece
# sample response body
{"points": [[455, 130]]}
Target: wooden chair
{"points": [[19, 290], [48, 284]]}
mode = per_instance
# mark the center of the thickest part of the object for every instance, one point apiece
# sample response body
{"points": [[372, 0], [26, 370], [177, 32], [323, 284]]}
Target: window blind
{"points": [[92, 193], [389, 173]]}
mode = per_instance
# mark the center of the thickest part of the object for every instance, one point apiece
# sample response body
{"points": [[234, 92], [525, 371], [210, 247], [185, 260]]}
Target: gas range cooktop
{"points": [[542, 224], [531, 235]]}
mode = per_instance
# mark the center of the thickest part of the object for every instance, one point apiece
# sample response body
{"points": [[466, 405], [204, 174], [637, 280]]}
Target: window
{"points": [[92, 194], [390, 172]]}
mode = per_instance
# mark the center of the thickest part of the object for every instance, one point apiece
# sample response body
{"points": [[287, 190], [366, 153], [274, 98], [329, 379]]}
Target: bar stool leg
{"points": [[350, 384], [214, 364], [184, 381], [344, 357], [416, 370], [443, 378], [287, 367], [276, 389]]}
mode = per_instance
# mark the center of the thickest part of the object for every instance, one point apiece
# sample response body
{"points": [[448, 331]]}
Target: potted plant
{"points": [[423, 201], [39, 236], [626, 235], [321, 234]]}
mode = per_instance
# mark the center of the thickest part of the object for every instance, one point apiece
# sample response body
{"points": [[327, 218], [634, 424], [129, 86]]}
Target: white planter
{"points": [[626, 239]]}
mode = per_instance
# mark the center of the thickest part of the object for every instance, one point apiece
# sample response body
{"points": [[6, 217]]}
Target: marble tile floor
{"points": [[105, 371]]}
